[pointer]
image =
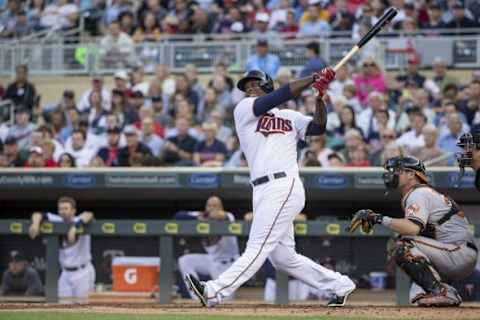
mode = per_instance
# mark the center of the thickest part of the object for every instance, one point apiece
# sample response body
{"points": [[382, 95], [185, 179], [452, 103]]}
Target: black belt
{"points": [[472, 246], [265, 179], [71, 269]]}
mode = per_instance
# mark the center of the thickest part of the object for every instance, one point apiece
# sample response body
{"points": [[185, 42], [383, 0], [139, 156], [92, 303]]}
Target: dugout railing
{"points": [[167, 230]]}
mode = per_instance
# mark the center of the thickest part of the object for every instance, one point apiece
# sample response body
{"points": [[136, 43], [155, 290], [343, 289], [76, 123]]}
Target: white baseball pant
{"points": [[275, 206]]}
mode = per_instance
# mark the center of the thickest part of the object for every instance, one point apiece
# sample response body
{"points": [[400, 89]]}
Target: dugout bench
{"points": [[166, 230]]}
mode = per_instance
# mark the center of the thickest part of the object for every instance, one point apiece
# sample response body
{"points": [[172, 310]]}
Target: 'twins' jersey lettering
{"points": [[269, 124]]}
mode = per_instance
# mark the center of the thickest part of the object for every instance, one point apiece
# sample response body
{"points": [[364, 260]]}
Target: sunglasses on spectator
{"points": [[369, 64], [388, 136]]}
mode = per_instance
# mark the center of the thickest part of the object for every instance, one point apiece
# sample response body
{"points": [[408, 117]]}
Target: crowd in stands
{"points": [[180, 120], [148, 20]]}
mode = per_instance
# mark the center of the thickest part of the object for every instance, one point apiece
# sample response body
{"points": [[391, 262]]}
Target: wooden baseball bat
{"points": [[386, 18]]}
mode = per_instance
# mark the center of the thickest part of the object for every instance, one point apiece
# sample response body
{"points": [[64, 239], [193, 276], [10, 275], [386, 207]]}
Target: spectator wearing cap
{"points": [[366, 119], [20, 279], [370, 79], [210, 152], [414, 137], [67, 102], [440, 74], [15, 157], [127, 22], [179, 148], [262, 60], [35, 158], [79, 149], [342, 19], [121, 82], [412, 76], [133, 148], [459, 18], [22, 26], [159, 115], [314, 26], [23, 128], [448, 140], [149, 137], [430, 150], [116, 49], [315, 62], [110, 153], [22, 92], [98, 86]]}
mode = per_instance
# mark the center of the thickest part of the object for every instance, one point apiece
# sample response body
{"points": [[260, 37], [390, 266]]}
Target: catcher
{"points": [[470, 155], [435, 245]]}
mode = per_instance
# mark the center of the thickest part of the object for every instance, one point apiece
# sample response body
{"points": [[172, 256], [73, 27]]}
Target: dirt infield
{"points": [[469, 311]]}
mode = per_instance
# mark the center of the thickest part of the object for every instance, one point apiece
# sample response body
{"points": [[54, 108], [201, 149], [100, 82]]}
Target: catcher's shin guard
{"points": [[417, 268]]}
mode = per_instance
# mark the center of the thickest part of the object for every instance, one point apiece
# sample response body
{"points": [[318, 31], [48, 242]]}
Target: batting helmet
{"points": [[266, 83], [395, 164]]}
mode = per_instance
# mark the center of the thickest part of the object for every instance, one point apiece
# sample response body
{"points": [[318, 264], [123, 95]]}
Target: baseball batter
{"points": [[221, 251], [77, 278], [435, 244], [268, 137]]}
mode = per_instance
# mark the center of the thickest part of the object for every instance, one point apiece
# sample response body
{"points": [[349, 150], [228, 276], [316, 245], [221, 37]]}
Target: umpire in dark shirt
{"points": [[179, 149], [20, 278]]}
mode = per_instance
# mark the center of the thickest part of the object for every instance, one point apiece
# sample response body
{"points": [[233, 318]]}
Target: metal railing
{"points": [[59, 58]]}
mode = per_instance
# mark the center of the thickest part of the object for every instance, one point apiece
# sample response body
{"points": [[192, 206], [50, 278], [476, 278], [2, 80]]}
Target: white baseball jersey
{"points": [[73, 255], [222, 248], [269, 142]]}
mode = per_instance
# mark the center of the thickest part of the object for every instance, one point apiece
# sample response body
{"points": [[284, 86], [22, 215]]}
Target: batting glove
{"points": [[322, 80]]}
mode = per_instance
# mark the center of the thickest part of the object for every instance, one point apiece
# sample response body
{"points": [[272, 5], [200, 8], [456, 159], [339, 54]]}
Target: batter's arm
{"points": [[263, 104], [318, 125]]}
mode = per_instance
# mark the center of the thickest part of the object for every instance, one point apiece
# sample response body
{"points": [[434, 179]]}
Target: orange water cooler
{"points": [[135, 274]]}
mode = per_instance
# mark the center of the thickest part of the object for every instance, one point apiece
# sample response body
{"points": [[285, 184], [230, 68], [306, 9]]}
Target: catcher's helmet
{"points": [[266, 83], [396, 164]]}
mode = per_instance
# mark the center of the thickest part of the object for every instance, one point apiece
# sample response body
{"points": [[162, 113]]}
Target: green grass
{"points": [[103, 316]]}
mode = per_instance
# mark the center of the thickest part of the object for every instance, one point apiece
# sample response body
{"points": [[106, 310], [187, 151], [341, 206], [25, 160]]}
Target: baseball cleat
{"points": [[447, 297], [339, 301], [198, 288]]}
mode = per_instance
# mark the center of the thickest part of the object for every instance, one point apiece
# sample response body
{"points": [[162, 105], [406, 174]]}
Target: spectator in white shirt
{"points": [[79, 150], [97, 85], [23, 128], [414, 137], [149, 138]]}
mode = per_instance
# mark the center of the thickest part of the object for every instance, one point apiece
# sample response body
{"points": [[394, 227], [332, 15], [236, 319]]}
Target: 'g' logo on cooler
{"points": [[130, 276]]}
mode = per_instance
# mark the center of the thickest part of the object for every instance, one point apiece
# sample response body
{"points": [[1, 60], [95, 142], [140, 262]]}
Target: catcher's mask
{"points": [[396, 165]]}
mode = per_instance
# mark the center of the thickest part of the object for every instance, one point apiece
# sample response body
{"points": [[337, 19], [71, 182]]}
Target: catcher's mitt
{"points": [[366, 219]]}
